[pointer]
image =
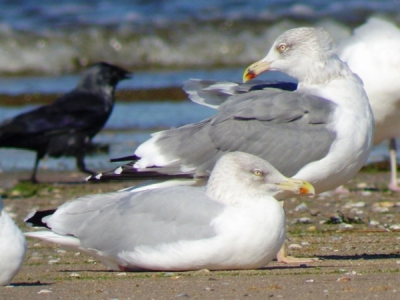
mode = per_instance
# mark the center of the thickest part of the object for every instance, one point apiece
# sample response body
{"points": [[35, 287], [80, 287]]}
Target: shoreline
{"points": [[155, 94]]}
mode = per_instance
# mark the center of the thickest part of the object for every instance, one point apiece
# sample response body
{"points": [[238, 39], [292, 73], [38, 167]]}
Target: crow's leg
{"points": [[80, 164], [39, 156]]}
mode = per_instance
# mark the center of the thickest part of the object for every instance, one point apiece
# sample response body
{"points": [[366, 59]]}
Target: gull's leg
{"points": [[393, 184], [284, 258]]}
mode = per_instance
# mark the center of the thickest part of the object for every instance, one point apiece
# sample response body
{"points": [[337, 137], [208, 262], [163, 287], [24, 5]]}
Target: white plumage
{"points": [[233, 223], [322, 132], [373, 53], [12, 247]]}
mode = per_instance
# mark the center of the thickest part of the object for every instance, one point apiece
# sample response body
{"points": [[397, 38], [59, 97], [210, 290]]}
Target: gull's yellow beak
{"points": [[297, 186], [256, 69]]}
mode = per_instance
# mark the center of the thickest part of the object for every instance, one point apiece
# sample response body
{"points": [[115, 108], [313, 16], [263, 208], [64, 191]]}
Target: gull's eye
{"points": [[282, 48], [258, 173]]}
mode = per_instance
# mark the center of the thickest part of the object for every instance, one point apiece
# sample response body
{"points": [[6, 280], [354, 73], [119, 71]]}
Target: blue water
{"points": [[43, 45], [58, 37]]}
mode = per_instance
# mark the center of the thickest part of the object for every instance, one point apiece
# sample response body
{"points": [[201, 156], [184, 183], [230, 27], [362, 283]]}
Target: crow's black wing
{"points": [[75, 111]]}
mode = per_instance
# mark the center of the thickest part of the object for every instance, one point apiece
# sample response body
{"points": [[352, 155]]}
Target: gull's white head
{"points": [[300, 52], [238, 173]]}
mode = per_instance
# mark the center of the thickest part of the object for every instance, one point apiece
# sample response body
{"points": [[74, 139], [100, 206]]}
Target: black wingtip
{"points": [[282, 85], [94, 178], [35, 219], [125, 158], [120, 174]]}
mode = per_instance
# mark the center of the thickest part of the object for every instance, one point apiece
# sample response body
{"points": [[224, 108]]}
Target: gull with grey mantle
{"points": [[322, 132], [232, 223]]}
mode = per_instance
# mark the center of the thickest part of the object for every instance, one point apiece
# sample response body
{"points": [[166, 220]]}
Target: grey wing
{"points": [[120, 221], [288, 129], [208, 92], [214, 93]]}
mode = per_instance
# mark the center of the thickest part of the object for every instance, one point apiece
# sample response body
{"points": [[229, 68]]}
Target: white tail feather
{"points": [[62, 240]]}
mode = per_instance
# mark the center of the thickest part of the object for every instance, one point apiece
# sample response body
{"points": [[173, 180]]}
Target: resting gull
{"points": [[373, 52], [321, 132], [232, 223], [12, 247]]}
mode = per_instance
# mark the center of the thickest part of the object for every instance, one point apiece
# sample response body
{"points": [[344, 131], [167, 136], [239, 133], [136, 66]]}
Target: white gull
{"points": [[373, 52], [233, 223], [12, 247]]}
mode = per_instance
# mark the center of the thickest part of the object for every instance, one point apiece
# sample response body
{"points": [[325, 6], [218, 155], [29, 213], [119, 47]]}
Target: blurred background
{"points": [[45, 44]]}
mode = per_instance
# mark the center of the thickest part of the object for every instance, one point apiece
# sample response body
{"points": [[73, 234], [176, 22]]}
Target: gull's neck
{"points": [[335, 82], [324, 72], [219, 189], [233, 191]]}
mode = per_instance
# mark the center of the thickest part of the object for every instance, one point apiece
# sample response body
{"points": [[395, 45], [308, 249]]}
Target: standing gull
{"points": [[376, 42], [233, 223], [373, 53], [321, 132], [12, 247], [66, 126]]}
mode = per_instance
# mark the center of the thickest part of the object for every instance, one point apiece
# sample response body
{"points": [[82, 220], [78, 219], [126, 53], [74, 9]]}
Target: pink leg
{"points": [[393, 185], [283, 258], [341, 190]]}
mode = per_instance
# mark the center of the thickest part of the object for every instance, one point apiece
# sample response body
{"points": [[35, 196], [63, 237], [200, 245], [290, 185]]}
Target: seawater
{"points": [[59, 37]]}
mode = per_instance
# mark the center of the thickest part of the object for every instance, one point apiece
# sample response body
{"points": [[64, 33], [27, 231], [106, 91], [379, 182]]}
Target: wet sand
{"points": [[356, 236]]}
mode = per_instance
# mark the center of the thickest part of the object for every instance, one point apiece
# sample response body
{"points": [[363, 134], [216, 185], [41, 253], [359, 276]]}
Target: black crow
{"points": [[66, 127]]}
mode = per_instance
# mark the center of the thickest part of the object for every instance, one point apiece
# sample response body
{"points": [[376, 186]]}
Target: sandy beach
{"points": [[355, 235]]}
